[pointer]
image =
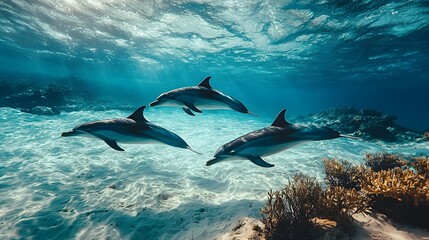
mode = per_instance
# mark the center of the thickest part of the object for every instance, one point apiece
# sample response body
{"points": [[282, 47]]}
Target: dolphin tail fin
{"points": [[188, 147], [352, 137], [249, 112]]}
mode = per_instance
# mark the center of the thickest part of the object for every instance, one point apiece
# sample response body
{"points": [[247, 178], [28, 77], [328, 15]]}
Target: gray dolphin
{"points": [[133, 129], [199, 97], [278, 137]]}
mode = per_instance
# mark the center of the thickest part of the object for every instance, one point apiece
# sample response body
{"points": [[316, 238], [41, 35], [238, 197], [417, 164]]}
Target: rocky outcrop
{"points": [[364, 123], [50, 99], [34, 99]]}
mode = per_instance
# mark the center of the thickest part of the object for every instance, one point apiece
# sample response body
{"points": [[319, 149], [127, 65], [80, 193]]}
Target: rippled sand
{"points": [[53, 187]]}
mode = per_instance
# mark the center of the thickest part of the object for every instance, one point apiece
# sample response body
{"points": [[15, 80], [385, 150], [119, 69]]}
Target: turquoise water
{"points": [[306, 56], [61, 188]]}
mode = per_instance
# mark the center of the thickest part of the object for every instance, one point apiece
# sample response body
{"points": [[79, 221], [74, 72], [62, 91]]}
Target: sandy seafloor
{"points": [[66, 188]]}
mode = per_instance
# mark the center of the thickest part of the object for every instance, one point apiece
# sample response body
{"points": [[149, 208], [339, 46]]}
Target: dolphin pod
{"points": [[133, 129], [203, 96], [280, 136]]}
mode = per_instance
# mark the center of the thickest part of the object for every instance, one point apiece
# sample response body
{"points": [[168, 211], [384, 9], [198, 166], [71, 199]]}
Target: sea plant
{"points": [[384, 161], [426, 136], [288, 212], [401, 185], [421, 164], [393, 184], [342, 173], [396, 185], [296, 211], [339, 204], [401, 194]]}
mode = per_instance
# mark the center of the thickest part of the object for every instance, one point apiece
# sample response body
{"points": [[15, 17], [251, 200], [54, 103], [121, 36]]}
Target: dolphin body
{"points": [[278, 137], [133, 129], [203, 96]]}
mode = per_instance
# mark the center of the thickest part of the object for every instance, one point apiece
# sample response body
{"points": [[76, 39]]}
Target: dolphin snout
{"points": [[69, 134], [154, 103]]}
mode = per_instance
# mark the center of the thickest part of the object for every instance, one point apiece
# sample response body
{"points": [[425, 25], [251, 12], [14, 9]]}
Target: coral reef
{"points": [[426, 135], [36, 95], [421, 164], [396, 185], [339, 204], [342, 174], [401, 185], [303, 210], [391, 184], [385, 161], [288, 212], [365, 123], [27, 96]]}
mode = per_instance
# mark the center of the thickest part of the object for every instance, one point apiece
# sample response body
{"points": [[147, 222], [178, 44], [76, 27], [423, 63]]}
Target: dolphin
{"points": [[133, 129], [278, 137], [203, 96]]}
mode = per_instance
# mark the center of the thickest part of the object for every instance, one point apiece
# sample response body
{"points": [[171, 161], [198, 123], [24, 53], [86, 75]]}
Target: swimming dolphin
{"points": [[199, 97], [278, 137], [133, 129]]}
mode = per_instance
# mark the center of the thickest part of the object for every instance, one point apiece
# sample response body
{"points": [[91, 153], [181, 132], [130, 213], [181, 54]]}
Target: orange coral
{"points": [[342, 173], [421, 164], [384, 161], [401, 185]]}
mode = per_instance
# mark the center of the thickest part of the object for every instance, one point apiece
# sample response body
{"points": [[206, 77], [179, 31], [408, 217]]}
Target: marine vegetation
{"points": [[426, 135], [398, 186], [384, 161], [342, 174], [302, 208], [391, 184]]}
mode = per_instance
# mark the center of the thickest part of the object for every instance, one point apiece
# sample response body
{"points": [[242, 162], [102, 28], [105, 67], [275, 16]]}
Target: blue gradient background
{"points": [[306, 56]]}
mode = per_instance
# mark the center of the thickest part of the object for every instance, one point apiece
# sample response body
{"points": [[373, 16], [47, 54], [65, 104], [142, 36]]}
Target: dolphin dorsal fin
{"points": [[280, 120], [205, 82], [138, 115]]}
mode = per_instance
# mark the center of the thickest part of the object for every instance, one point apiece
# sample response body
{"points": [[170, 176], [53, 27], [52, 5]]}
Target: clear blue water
{"points": [[303, 55], [306, 56]]}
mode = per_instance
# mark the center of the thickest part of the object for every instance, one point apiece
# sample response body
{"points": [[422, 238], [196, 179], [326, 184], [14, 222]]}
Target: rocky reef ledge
{"points": [[368, 124], [51, 99]]}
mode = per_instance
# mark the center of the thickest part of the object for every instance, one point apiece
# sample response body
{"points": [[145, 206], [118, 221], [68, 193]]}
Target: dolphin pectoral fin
{"points": [[188, 111], [258, 161], [113, 144], [193, 108]]}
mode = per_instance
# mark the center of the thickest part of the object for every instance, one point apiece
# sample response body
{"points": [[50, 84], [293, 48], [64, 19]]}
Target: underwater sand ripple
{"points": [[80, 188]]}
